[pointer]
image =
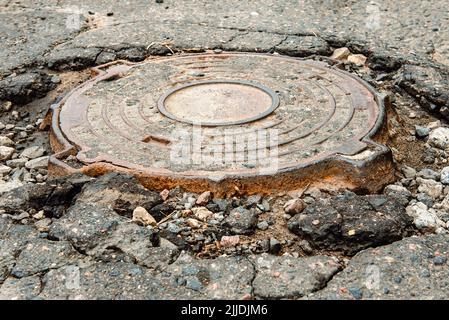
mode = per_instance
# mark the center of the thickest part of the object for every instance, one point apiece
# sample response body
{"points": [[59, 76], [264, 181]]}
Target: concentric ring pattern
{"points": [[322, 112]]}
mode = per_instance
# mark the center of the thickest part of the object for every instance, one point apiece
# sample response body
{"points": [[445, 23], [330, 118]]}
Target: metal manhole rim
{"points": [[275, 102], [336, 157]]}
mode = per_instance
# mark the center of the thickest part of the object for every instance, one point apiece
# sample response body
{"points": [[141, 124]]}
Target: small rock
{"points": [[193, 223], [39, 215], [55, 79], [7, 106], [201, 213], [38, 163], [21, 216], [17, 163], [408, 172], [33, 152], [164, 194], [434, 124], [439, 260], [294, 206], [305, 246], [428, 174], [9, 186], [430, 187], [439, 137], [173, 228], [421, 132], [428, 156], [423, 217], [204, 198], [43, 225], [253, 200], [190, 202], [341, 53], [229, 241], [6, 142], [275, 246], [444, 176], [263, 225], [6, 152], [141, 215], [241, 221], [357, 59], [4, 170], [424, 198], [398, 192]]}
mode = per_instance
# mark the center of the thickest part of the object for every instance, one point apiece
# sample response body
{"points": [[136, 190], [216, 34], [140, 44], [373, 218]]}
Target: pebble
{"points": [[424, 198], [6, 142], [444, 175], [434, 124], [408, 172], [33, 152], [173, 228], [202, 213], [341, 53], [193, 223], [9, 186], [141, 215], [164, 194], [190, 202], [263, 225], [204, 198], [39, 215], [395, 190], [357, 59], [286, 216], [294, 206], [439, 137], [356, 293], [439, 260], [430, 187], [7, 106], [38, 163], [21, 216], [428, 174], [305, 246], [194, 284], [4, 170], [275, 246], [43, 225], [6, 152], [423, 217], [229, 241], [421, 132]]}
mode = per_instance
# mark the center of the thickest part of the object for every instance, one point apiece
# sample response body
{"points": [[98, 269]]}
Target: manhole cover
{"points": [[225, 122]]}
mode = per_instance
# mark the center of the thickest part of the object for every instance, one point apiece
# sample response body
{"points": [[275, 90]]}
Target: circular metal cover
{"points": [[319, 119], [218, 102]]}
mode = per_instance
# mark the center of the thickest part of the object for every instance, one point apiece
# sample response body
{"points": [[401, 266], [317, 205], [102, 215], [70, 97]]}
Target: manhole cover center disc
{"points": [[259, 114], [218, 102]]}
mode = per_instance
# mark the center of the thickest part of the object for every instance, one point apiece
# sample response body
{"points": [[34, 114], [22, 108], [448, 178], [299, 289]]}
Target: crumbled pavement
{"points": [[350, 223], [414, 268], [74, 238]]}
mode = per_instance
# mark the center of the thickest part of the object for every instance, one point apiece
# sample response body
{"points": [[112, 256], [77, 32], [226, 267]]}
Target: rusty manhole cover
{"points": [[225, 122]]}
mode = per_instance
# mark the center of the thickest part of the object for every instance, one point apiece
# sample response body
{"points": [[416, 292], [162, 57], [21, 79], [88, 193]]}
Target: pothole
{"points": [[227, 122]]}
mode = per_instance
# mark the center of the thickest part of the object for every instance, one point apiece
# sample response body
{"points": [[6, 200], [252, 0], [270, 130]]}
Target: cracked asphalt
{"points": [[89, 249]]}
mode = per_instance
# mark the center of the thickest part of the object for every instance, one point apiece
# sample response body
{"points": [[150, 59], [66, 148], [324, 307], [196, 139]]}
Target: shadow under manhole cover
{"points": [[225, 122]]}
